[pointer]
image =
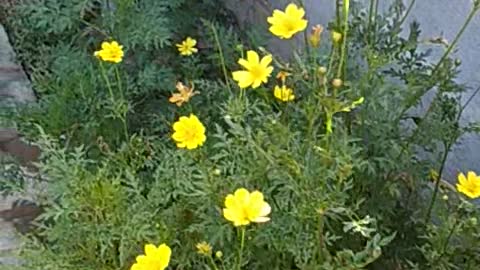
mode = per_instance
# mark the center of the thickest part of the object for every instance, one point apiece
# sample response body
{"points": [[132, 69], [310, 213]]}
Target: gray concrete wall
{"points": [[437, 18]]}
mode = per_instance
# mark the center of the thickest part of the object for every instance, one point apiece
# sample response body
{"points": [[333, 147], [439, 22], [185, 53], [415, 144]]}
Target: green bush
{"points": [[342, 165]]}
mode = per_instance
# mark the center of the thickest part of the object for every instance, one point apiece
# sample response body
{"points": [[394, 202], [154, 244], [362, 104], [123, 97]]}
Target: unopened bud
{"points": [[474, 221], [322, 71], [337, 83], [336, 37], [219, 254]]}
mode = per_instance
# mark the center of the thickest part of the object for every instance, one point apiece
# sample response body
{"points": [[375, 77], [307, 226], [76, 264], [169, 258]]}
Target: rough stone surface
{"points": [[14, 89], [436, 18]]}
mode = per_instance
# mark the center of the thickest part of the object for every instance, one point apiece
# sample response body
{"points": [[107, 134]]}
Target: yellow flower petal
{"points": [[243, 207], [288, 23]]}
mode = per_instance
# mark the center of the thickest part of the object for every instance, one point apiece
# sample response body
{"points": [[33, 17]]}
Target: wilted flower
{"points": [[283, 93], [288, 23], [184, 94], [189, 132], [244, 207], [257, 71], [110, 52], [470, 185], [203, 248], [187, 47], [155, 258], [282, 75], [316, 36]]}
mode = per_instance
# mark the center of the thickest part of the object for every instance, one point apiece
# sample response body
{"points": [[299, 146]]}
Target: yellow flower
{"points": [[189, 132], [283, 93], [244, 207], [155, 258], [470, 185], [288, 23], [203, 248], [184, 95], [187, 47], [110, 52], [257, 71], [315, 36]]}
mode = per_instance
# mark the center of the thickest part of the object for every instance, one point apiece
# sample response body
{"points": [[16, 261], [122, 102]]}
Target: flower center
{"points": [[190, 134], [289, 25], [256, 71]]}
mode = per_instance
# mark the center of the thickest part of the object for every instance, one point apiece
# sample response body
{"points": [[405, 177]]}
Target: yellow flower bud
{"points": [[217, 172], [219, 254], [336, 37], [322, 71], [337, 83], [445, 197]]}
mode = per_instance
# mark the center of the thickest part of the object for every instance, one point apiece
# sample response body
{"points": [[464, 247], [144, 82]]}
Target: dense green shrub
{"points": [[339, 165]]}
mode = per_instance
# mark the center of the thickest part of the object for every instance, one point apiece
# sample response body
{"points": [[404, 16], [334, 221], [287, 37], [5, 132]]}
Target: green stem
{"points": [[124, 116], [450, 234], [437, 182], [119, 81], [455, 41], [405, 16], [107, 81], [213, 263], [331, 61], [346, 7], [370, 21], [242, 244], [222, 58]]}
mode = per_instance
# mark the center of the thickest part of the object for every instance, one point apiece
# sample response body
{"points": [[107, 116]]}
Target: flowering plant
{"points": [[312, 161]]}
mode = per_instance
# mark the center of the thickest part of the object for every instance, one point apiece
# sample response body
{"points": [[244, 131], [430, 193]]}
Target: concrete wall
{"points": [[437, 18]]}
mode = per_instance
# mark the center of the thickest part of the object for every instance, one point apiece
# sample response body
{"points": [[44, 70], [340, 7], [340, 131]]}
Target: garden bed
{"points": [[172, 137]]}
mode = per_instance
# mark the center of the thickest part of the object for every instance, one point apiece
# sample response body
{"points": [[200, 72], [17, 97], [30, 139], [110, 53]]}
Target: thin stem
{"points": [[330, 63], [107, 81], [120, 89], [222, 58], [346, 6], [468, 102], [213, 263], [455, 41], [370, 20], [405, 16], [305, 35], [242, 244], [119, 81], [437, 182], [337, 8], [450, 234]]}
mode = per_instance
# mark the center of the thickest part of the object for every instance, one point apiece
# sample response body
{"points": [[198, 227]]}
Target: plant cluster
{"points": [[174, 142]]}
